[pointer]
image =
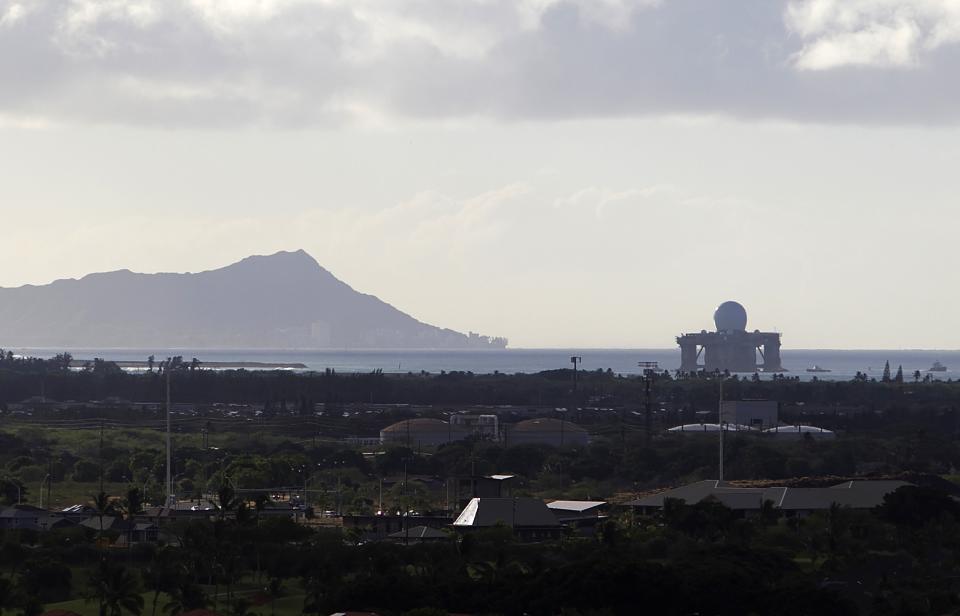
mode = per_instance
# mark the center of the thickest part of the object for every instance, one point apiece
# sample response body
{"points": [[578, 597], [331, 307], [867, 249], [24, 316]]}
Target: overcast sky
{"points": [[592, 173]]}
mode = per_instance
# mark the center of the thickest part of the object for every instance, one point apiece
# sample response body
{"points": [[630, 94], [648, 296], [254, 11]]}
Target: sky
{"points": [[565, 173]]}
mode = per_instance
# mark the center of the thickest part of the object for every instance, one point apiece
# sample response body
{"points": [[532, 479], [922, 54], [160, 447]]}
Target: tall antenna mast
{"points": [[720, 423], [169, 474]]}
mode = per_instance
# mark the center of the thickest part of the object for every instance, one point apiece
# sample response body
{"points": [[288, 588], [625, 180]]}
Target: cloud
{"points": [[875, 33], [292, 63]]}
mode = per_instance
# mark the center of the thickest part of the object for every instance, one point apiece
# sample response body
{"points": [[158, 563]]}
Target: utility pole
{"points": [[575, 359], [720, 424], [100, 455], [169, 471], [649, 371]]}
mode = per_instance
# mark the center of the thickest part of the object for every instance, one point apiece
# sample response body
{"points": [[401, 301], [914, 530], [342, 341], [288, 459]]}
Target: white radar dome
{"points": [[730, 317]]}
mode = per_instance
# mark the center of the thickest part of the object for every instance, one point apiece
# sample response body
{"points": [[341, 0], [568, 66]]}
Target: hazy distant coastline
{"points": [[843, 364]]}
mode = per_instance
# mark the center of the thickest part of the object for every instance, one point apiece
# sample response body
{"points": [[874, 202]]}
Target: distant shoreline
{"points": [[219, 365]]}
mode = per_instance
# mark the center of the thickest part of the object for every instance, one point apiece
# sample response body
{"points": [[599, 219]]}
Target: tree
{"points": [[163, 574], [61, 361], [227, 500], [50, 580], [886, 373], [134, 502], [274, 591], [151, 360], [916, 506], [117, 590], [6, 595], [13, 490], [899, 377], [187, 596]]}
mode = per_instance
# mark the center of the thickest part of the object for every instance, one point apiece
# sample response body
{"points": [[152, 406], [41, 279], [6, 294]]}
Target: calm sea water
{"points": [[843, 364]]}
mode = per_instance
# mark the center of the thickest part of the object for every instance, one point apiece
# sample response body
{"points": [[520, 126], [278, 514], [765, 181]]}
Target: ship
{"points": [[937, 367], [816, 368]]}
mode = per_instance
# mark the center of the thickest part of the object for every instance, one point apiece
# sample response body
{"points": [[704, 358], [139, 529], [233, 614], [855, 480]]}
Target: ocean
{"points": [[843, 364]]}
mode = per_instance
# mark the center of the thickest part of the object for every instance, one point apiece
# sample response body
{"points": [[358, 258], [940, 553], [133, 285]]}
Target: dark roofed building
{"points": [[419, 534], [546, 431], [580, 515], [22, 517], [530, 518], [790, 501]]}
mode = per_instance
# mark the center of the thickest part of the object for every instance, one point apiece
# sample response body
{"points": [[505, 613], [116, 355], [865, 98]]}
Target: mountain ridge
{"points": [[283, 300]]}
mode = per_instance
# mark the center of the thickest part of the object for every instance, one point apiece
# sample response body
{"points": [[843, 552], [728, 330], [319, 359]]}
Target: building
{"points": [[730, 348], [530, 518], [430, 432], [581, 516], [754, 413], [379, 527], [486, 427], [546, 431], [485, 486], [419, 534], [421, 432], [799, 431], [709, 428], [788, 501], [22, 517]]}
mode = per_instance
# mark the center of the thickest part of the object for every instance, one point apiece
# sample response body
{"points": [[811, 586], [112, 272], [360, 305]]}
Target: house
{"points": [[583, 516], [788, 501], [107, 523], [76, 513], [377, 527], [530, 518], [418, 534], [22, 517], [55, 522]]}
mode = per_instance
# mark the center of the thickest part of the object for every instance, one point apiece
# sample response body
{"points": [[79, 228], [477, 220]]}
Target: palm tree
{"points": [[227, 500], [104, 506], [117, 590], [187, 596], [163, 574]]}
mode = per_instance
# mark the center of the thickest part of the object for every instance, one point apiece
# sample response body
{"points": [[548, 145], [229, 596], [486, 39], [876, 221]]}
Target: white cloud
{"points": [[876, 33], [13, 13]]}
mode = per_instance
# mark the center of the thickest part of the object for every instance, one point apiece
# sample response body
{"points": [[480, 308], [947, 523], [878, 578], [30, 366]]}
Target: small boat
{"points": [[937, 367], [816, 368]]}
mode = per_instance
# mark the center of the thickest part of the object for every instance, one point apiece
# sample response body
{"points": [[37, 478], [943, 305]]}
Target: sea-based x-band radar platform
{"points": [[731, 347]]}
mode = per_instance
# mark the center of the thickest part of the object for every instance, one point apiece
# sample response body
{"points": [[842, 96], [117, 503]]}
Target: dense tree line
{"points": [[692, 559]]}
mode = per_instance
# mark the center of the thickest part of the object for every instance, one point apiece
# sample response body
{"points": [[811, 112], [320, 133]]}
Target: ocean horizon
{"points": [[840, 364]]}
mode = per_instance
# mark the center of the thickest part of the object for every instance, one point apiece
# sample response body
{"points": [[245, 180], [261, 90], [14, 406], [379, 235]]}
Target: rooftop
{"points": [[513, 512]]}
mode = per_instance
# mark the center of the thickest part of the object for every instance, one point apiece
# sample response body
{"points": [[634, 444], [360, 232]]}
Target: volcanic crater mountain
{"points": [[285, 300]]}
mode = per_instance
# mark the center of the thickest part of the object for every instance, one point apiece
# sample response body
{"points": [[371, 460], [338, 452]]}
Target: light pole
{"points": [[649, 373], [43, 481], [169, 476], [720, 424]]}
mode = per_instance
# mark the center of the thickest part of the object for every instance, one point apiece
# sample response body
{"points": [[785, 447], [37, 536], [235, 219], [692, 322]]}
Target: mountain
{"points": [[285, 300]]}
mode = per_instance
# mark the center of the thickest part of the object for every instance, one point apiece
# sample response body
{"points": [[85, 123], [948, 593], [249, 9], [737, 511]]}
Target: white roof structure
{"points": [[799, 431], [575, 505], [514, 512], [710, 427]]}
